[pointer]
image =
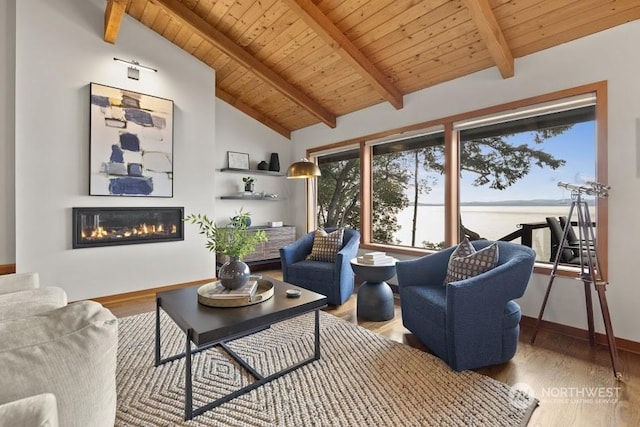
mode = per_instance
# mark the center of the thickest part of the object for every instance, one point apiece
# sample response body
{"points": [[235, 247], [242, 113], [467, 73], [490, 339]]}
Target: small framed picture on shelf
{"points": [[238, 160]]}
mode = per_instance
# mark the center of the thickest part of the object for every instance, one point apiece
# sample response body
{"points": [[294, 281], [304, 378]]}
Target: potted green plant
{"points": [[248, 183], [234, 240]]}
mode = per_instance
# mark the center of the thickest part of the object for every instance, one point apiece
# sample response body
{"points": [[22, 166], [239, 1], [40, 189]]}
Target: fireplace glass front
{"points": [[126, 226]]}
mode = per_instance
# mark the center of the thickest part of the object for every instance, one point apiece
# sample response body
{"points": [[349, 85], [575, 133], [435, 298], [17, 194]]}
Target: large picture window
{"points": [[407, 182], [509, 171], [491, 174]]}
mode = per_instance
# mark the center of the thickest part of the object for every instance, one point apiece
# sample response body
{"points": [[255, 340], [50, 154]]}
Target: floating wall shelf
{"points": [[252, 171], [238, 197]]}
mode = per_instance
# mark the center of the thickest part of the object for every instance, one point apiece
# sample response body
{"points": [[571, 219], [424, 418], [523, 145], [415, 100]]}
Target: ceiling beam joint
{"points": [[113, 15], [202, 28], [331, 34], [492, 35]]}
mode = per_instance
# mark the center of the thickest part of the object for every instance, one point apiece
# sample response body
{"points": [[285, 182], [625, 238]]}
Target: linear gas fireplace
{"points": [[126, 226]]}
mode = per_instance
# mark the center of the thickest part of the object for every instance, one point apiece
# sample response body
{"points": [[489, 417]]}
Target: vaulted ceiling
{"points": [[294, 63]]}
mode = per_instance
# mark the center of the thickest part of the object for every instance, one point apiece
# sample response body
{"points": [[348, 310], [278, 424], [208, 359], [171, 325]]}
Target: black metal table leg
{"points": [[317, 335], [157, 332], [188, 384]]}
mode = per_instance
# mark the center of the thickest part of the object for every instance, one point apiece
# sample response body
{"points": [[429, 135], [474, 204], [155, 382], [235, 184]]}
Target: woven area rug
{"points": [[362, 379]]}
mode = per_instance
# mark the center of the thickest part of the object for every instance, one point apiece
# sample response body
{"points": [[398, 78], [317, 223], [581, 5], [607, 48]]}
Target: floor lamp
{"points": [[302, 170]]}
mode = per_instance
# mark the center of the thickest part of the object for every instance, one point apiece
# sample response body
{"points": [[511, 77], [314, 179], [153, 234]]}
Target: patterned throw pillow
{"points": [[466, 262], [465, 248], [326, 245]]}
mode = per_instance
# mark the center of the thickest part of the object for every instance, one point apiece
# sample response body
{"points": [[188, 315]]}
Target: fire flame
{"points": [[99, 232], [142, 230]]}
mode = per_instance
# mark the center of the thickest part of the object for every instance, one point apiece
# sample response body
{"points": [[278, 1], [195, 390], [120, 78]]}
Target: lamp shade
{"points": [[303, 169]]}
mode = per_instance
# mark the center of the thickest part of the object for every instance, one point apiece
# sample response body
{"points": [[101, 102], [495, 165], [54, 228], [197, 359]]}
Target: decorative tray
{"points": [[263, 293]]}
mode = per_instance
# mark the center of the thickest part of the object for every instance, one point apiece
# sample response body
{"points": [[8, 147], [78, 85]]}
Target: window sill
{"points": [[542, 268], [563, 270]]}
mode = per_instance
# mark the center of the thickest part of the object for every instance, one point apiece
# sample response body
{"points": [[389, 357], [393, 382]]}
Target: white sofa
{"points": [[40, 410], [57, 361]]}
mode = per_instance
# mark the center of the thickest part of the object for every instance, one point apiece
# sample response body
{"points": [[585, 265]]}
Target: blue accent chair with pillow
{"points": [[468, 323], [333, 279]]}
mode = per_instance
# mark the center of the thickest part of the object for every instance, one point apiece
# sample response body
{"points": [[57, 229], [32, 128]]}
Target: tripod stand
{"points": [[590, 270]]}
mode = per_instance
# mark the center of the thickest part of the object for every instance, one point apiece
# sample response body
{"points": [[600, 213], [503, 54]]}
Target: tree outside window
{"points": [[339, 190], [508, 173]]}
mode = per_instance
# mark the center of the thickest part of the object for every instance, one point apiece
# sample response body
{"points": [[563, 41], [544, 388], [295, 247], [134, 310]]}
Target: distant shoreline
{"points": [[536, 202]]}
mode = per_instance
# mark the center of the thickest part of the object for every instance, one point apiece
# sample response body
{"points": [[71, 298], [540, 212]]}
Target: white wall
{"points": [[235, 131], [7, 131], [610, 55], [59, 51]]}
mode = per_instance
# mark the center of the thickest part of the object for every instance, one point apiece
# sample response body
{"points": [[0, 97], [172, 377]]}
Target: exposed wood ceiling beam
{"points": [[332, 35], [492, 35], [251, 112], [226, 45], [113, 15]]}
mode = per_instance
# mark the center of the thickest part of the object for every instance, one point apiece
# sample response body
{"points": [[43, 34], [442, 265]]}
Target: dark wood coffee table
{"points": [[207, 326]]}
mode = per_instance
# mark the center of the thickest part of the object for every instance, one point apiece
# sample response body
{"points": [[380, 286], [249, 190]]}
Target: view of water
{"points": [[491, 222]]}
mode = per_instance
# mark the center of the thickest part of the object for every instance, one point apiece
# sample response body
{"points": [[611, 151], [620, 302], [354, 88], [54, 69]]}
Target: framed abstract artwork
{"points": [[131, 152]]}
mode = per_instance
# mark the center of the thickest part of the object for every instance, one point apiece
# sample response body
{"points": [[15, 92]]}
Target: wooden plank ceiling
{"points": [[294, 63]]}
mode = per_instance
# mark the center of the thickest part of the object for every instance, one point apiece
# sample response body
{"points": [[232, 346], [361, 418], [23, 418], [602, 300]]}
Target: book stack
{"points": [[219, 291], [375, 258]]}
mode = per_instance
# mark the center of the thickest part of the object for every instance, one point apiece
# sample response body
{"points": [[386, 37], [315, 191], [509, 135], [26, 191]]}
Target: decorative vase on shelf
{"points": [[234, 273], [263, 166], [274, 163]]}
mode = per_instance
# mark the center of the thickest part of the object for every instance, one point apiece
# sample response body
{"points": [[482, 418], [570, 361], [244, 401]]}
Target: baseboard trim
{"points": [[128, 296], [582, 334], [7, 268]]}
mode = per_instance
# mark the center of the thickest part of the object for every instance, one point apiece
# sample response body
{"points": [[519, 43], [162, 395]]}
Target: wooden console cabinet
{"points": [[267, 252]]}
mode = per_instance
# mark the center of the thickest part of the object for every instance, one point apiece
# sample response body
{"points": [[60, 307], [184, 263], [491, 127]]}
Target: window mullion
{"points": [[452, 190], [366, 202]]}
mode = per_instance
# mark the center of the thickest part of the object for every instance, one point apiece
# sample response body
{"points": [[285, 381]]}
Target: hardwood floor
{"points": [[573, 381]]}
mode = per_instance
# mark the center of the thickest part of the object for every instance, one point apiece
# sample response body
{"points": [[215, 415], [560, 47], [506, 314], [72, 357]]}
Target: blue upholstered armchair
{"points": [[335, 280], [468, 323]]}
